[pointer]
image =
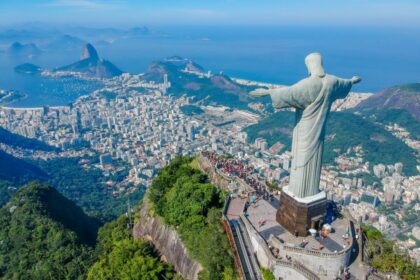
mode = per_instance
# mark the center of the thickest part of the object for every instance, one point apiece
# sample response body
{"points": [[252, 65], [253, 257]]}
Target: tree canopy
{"points": [[182, 195]]}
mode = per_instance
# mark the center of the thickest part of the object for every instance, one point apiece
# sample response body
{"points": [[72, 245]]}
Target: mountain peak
{"points": [[405, 97], [89, 52], [91, 66], [16, 45], [29, 49]]}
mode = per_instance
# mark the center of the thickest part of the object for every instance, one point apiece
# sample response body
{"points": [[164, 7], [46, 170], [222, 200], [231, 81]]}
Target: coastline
{"points": [[240, 81]]}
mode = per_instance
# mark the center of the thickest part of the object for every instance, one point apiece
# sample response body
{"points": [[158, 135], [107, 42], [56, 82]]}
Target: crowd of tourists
{"points": [[234, 167]]}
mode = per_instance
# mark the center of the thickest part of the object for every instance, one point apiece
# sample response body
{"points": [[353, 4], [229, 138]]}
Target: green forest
{"points": [[43, 235], [119, 256], [182, 195]]}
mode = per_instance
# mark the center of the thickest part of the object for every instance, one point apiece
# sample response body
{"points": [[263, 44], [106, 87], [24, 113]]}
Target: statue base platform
{"points": [[298, 215]]}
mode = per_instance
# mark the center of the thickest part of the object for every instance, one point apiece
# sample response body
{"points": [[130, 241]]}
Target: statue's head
{"points": [[313, 62]]}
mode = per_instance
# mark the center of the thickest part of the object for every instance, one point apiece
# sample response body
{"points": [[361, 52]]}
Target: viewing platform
{"points": [[310, 257], [262, 215]]}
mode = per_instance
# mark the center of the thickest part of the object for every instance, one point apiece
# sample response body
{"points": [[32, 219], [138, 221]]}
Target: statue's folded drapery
{"points": [[312, 97]]}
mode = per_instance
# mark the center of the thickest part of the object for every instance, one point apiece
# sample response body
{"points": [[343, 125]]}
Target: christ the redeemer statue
{"points": [[312, 98]]}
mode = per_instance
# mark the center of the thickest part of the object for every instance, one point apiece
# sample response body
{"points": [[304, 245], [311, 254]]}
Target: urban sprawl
{"points": [[145, 127]]}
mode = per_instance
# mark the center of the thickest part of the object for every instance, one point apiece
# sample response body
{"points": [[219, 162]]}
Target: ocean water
{"points": [[383, 57]]}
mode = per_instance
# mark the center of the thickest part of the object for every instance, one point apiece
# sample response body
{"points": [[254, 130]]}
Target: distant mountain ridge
{"points": [[91, 65], [405, 97], [188, 77], [17, 170], [20, 49], [65, 42]]}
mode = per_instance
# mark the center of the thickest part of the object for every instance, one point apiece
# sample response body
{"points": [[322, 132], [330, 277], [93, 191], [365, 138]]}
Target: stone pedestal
{"points": [[298, 215]]}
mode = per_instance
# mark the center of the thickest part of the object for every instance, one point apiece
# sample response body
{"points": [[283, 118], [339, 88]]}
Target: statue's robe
{"points": [[312, 97]]}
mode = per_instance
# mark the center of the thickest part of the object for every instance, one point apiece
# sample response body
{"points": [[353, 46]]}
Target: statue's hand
{"points": [[356, 79], [260, 92]]}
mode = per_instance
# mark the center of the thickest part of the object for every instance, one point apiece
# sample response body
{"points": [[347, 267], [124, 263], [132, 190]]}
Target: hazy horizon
{"points": [[215, 12], [265, 41]]}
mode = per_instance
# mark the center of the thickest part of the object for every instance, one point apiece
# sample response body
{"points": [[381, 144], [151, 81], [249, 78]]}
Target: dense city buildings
{"points": [[138, 123]]}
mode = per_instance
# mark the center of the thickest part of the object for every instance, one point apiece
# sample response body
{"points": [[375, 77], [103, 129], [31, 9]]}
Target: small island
{"points": [[28, 69]]}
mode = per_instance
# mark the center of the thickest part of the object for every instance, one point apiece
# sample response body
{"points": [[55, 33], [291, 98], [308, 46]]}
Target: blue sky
{"points": [[212, 12]]}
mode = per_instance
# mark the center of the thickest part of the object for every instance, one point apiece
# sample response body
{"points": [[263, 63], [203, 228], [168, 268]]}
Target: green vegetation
{"points": [[121, 257], [87, 187], [398, 116], [7, 189], [384, 256], [273, 186], [17, 170], [267, 274], [191, 110], [183, 197], [42, 233], [344, 130]]}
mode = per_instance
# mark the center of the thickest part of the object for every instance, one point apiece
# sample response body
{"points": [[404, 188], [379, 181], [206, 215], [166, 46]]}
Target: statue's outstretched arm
{"points": [[259, 92], [285, 97], [352, 81], [344, 86]]}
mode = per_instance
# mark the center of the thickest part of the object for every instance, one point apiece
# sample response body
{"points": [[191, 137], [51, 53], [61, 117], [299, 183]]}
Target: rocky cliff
{"points": [[167, 242]]}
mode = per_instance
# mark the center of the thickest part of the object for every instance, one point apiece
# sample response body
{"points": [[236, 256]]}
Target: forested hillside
{"points": [[43, 233], [15, 172], [182, 195]]}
